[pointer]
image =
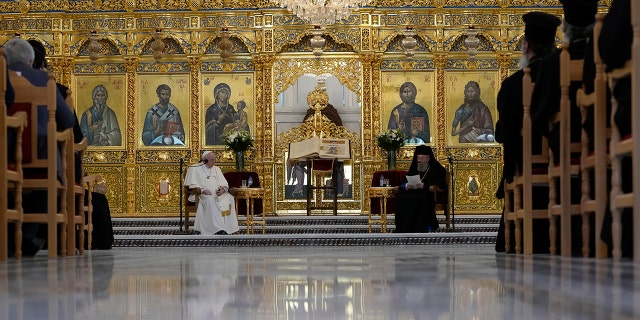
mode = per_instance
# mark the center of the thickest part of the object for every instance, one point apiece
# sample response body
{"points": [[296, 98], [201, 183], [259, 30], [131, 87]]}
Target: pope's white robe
{"points": [[215, 213]]}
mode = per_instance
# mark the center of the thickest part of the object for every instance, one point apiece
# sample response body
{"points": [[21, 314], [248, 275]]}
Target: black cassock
{"points": [[415, 208]]}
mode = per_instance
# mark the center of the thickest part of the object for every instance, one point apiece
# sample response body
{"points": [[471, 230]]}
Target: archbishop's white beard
{"points": [[524, 62], [422, 167]]}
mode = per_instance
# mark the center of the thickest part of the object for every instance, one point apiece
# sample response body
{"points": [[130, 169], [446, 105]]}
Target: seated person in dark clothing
{"points": [[577, 27], [615, 45], [415, 204]]}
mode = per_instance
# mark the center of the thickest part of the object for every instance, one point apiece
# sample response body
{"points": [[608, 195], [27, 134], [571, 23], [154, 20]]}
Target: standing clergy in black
{"points": [[538, 41], [415, 204]]}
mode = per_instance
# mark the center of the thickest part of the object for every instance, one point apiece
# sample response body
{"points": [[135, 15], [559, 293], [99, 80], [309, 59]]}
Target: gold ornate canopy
{"points": [[131, 47]]}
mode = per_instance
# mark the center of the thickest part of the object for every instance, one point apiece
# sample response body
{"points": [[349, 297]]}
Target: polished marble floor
{"points": [[349, 282]]}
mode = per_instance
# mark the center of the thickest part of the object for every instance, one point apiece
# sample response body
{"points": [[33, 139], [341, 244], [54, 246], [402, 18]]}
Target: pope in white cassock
{"points": [[216, 211]]}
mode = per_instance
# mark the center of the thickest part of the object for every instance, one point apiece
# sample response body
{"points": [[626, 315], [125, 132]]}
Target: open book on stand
{"points": [[316, 147]]}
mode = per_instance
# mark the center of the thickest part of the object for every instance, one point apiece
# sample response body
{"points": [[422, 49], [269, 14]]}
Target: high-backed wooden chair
{"points": [[619, 147], [87, 183], [511, 202], [76, 224], [41, 174], [533, 174], [441, 197], [627, 146], [635, 20], [594, 162], [76, 218], [560, 175], [10, 170], [189, 206]]}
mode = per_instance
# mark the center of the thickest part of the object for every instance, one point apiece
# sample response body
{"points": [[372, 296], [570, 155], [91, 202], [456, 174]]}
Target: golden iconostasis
{"points": [[129, 55]]}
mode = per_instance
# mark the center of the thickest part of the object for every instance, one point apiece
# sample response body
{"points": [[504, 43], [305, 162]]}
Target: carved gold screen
{"points": [[127, 45]]}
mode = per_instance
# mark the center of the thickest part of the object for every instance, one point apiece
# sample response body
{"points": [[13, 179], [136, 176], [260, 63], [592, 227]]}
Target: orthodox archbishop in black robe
{"points": [[415, 204]]}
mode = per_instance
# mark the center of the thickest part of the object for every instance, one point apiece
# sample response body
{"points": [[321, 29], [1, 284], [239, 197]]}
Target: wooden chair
{"points": [[619, 147], [635, 116], [76, 218], [533, 174], [627, 146], [41, 174], [11, 171], [190, 206], [76, 221], [594, 162], [441, 197], [512, 200], [88, 182], [569, 167]]}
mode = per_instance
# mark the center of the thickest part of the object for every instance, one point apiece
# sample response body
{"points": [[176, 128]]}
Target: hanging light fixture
{"points": [[94, 46], [157, 45], [409, 43], [322, 12], [317, 41], [472, 42], [225, 43]]}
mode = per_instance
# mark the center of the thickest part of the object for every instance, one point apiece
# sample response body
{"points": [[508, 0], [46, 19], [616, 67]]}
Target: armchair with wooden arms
{"points": [[441, 197], [190, 206], [42, 174], [11, 171]]}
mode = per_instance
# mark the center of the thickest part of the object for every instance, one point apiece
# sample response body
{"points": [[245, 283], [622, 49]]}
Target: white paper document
{"points": [[413, 180]]}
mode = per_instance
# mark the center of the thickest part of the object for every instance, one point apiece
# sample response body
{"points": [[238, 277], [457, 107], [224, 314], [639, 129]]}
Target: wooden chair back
{"points": [[41, 174], [560, 176], [594, 165], [88, 182], [10, 170], [443, 204], [626, 145], [533, 173]]}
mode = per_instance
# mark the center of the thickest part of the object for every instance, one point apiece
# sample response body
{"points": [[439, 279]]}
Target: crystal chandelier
{"points": [[322, 12]]}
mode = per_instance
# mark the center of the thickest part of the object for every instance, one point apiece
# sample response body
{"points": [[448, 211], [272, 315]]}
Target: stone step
{"points": [[303, 230]]}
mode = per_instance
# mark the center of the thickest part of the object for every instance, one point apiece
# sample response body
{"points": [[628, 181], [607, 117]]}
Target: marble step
{"points": [[303, 230]]}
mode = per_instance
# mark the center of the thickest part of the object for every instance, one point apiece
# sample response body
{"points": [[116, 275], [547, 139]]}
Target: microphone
{"points": [[204, 161], [449, 157]]}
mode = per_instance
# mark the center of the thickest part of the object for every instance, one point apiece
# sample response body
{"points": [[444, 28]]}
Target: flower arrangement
{"points": [[391, 140], [238, 141]]}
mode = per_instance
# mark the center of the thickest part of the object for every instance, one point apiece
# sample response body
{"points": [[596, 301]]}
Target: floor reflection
{"points": [[390, 282]]}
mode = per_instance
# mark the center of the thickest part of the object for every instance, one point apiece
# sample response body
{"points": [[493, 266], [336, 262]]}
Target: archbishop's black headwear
{"points": [[580, 13], [540, 27], [422, 149]]}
